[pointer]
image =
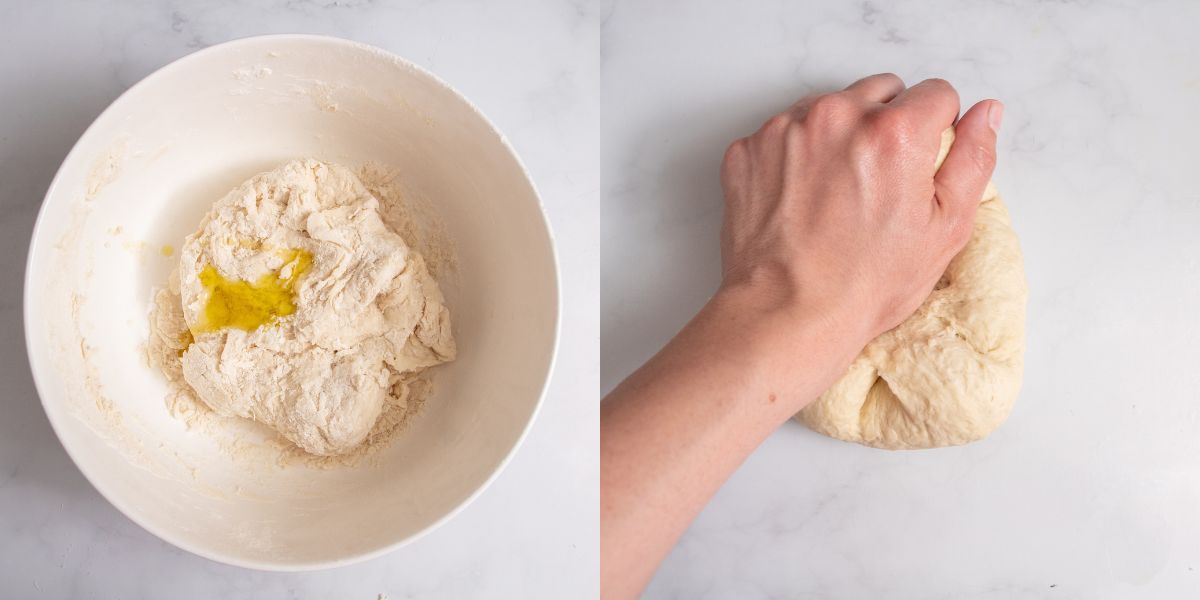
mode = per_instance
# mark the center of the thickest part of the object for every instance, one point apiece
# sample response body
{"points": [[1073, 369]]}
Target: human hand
{"points": [[834, 208], [836, 220]]}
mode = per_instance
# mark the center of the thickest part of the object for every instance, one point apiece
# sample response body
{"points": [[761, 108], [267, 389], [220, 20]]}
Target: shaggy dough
{"points": [[367, 311], [950, 373]]}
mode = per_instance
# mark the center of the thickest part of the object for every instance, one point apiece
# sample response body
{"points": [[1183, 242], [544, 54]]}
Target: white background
{"points": [[533, 533], [1092, 488]]}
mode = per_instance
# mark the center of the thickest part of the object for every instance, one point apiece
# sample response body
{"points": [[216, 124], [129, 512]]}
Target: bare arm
{"points": [[836, 229]]}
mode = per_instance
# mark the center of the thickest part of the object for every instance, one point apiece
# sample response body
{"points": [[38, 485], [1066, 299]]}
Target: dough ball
{"points": [[950, 373], [364, 310]]}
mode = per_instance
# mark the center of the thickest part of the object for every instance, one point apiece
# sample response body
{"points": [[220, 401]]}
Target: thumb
{"points": [[961, 181]]}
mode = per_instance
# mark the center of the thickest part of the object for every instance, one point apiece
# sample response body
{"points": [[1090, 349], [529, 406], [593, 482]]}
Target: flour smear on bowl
{"points": [[304, 302], [113, 228]]}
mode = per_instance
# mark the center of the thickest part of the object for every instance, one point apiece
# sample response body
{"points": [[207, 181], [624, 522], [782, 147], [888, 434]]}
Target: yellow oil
{"points": [[167, 250], [248, 305]]}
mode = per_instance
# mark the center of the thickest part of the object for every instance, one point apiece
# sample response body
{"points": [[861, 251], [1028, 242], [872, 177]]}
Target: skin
{"points": [[836, 229]]}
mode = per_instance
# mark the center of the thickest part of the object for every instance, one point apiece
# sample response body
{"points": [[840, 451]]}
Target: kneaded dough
{"points": [[950, 373], [366, 310]]}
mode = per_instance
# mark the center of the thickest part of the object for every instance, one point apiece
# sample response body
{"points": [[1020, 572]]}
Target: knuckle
{"points": [[830, 108], [892, 77], [735, 153], [888, 77], [891, 126], [942, 86], [777, 124]]}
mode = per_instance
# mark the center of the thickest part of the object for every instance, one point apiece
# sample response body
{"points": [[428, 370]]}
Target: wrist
{"points": [[783, 309], [796, 352]]}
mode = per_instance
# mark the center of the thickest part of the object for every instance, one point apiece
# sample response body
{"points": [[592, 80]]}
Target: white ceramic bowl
{"points": [[142, 176]]}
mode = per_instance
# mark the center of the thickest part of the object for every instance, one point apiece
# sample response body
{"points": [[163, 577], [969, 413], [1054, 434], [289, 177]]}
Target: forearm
{"points": [[679, 426], [838, 222]]}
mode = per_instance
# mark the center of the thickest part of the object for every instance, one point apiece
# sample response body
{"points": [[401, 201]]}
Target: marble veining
{"points": [[1090, 489], [533, 533]]}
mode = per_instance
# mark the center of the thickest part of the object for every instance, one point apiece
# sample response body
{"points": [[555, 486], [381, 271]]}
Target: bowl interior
{"points": [[141, 178]]}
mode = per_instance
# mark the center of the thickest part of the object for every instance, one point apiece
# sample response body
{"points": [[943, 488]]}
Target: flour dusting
{"points": [[338, 379]]}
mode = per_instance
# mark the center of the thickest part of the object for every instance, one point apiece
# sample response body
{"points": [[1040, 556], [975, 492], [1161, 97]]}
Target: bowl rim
{"points": [[268, 565]]}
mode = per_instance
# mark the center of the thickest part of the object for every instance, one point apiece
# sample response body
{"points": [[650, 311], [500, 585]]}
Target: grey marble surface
{"points": [[1091, 489], [533, 533]]}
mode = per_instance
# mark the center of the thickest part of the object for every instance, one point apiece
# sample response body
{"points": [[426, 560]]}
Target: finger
{"points": [[932, 106], [876, 88], [960, 183]]}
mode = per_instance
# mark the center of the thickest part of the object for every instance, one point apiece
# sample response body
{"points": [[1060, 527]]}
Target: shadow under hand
{"points": [[661, 258]]}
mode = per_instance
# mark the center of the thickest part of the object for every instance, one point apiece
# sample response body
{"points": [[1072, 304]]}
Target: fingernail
{"points": [[995, 115]]}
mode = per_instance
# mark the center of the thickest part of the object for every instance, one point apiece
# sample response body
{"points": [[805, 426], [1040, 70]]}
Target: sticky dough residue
{"points": [[106, 168]]}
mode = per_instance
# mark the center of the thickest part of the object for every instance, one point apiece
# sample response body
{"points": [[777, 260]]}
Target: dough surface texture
{"points": [[950, 373], [366, 315]]}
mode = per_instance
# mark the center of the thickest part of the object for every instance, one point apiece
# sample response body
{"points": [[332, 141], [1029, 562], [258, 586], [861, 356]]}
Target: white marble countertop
{"points": [[533, 533], [1092, 488]]}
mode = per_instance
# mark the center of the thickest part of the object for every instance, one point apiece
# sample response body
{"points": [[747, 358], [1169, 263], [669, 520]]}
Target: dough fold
{"points": [[950, 373]]}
